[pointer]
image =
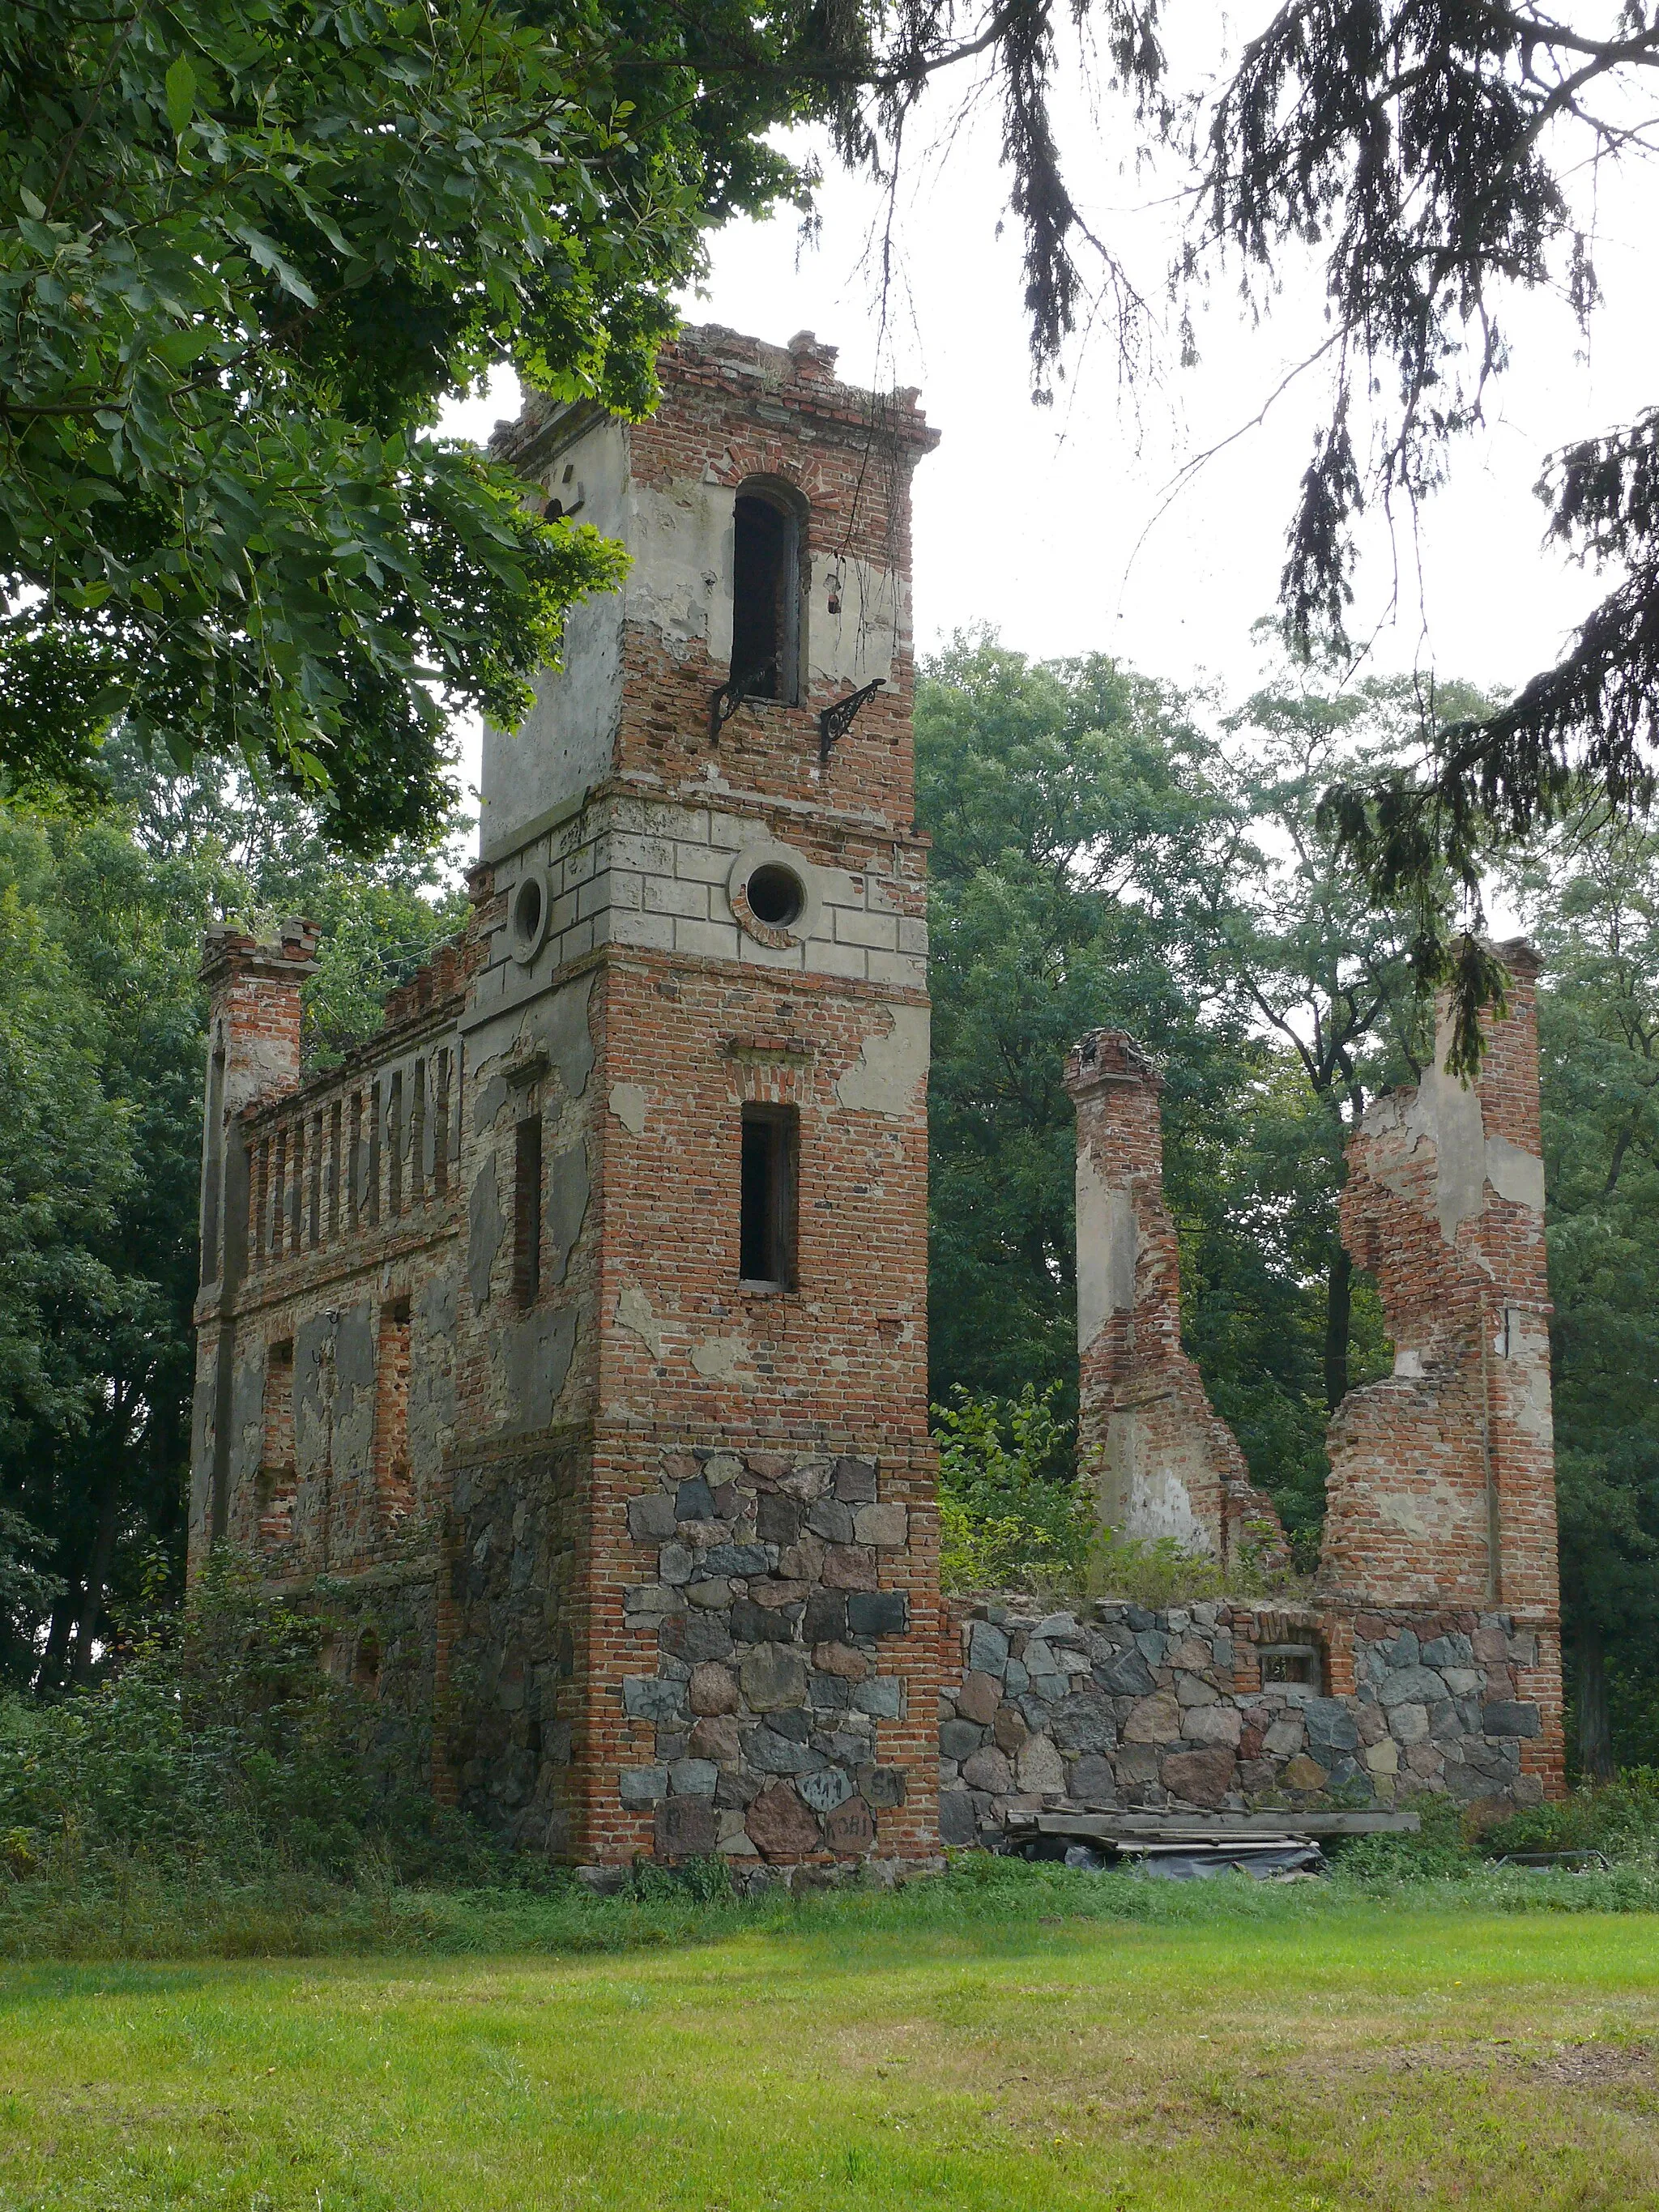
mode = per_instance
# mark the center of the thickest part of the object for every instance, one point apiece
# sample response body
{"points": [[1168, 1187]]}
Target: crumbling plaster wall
{"points": [[1159, 1461], [1441, 1497], [1441, 1476], [645, 1455]]}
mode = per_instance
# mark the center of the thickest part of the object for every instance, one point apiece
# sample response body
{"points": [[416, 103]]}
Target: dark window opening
{"points": [[771, 1149], [394, 1485], [394, 1146], [775, 895], [366, 1669], [1291, 1662], [527, 1210], [213, 1172], [766, 600], [527, 912]]}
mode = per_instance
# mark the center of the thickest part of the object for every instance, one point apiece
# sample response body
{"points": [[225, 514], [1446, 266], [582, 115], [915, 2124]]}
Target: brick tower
{"points": [[594, 1289]]}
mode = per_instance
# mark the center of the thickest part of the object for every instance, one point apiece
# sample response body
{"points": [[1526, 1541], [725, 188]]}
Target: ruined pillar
{"points": [[1442, 1489], [253, 1053], [1160, 1460]]}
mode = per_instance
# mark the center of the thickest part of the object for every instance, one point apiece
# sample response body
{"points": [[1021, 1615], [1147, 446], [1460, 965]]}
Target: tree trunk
{"points": [[92, 1610], [1338, 1309], [54, 1659], [1594, 1733]]}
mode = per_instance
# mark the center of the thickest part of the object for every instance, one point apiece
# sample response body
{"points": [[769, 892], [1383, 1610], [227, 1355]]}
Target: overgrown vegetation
{"points": [[226, 1752], [1012, 1514], [101, 1060], [1015, 1515]]}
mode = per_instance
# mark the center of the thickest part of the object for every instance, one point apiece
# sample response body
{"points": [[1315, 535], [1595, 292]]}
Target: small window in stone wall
{"points": [[1292, 1662], [527, 1210], [766, 595], [365, 1666], [771, 1154], [278, 1478]]}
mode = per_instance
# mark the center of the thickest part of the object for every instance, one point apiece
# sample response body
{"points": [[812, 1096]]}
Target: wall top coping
{"points": [[226, 951], [1109, 1056], [800, 376]]}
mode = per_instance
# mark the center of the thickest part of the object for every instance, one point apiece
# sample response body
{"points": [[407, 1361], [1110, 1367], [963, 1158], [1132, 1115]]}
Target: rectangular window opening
{"points": [[771, 1153], [336, 1125], [417, 1135], [214, 1168], [277, 1481], [1292, 1662], [393, 1479], [527, 1210], [395, 1134], [766, 599]]}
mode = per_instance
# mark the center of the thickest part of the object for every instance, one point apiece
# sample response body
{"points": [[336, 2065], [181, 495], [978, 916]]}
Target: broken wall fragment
{"points": [[1160, 1460]]}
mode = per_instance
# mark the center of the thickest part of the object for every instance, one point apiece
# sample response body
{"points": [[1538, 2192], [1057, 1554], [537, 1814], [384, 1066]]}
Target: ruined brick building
{"points": [[568, 1341], [1428, 1656]]}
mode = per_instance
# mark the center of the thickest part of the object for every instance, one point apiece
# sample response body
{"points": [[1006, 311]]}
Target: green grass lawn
{"points": [[867, 2055]]}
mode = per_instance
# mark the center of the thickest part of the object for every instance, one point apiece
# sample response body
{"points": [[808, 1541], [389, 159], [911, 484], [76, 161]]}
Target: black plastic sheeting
{"points": [[1264, 1863]]}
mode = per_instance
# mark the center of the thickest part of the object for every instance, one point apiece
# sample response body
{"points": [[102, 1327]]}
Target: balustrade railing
{"points": [[325, 1168]]}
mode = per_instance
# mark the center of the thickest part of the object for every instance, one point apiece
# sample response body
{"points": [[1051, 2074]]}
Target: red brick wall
{"points": [[1442, 1489], [640, 1376]]}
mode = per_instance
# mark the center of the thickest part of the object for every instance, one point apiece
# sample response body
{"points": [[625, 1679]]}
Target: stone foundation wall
{"points": [[777, 1705], [1115, 1708]]}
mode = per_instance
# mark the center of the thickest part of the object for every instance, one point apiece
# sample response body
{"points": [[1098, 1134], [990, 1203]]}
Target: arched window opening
{"points": [[766, 596], [366, 1669]]}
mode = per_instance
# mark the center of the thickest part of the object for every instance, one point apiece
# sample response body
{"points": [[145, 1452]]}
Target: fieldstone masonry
{"points": [[1431, 1659], [1117, 1709]]}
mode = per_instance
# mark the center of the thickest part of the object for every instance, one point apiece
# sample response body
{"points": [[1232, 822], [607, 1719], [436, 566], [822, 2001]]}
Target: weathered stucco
{"points": [[566, 742], [891, 1068], [1442, 1485], [1441, 1493], [1160, 1462]]}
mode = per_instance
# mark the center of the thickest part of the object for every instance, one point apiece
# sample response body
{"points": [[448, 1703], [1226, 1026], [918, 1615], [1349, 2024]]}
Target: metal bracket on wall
{"points": [[835, 721], [725, 699]]}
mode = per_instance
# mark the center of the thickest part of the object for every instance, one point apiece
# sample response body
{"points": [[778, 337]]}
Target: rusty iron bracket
{"points": [[835, 721], [725, 699]]}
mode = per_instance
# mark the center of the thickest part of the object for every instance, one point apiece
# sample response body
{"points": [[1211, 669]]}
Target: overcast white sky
{"points": [[1054, 526]]}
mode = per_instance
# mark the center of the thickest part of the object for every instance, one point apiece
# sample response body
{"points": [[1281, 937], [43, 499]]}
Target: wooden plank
{"points": [[1176, 1829]]}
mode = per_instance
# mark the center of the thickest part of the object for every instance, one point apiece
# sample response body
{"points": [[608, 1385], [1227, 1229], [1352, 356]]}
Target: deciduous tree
{"points": [[247, 249]]}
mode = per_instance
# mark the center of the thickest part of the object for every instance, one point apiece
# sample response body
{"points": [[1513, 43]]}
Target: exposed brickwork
{"points": [[1442, 1488], [639, 1557], [1160, 1460], [1441, 1507]]}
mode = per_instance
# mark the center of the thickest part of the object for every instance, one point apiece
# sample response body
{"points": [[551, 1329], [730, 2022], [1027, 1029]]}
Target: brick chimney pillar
{"points": [[253, 1053]]}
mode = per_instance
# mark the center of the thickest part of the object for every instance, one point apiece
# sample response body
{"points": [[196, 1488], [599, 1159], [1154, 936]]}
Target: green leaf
{"points": [[181, 94]]}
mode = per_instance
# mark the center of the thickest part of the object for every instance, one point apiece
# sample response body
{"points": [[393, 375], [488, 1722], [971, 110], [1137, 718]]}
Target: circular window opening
{"points": [[776, 895], [527, 912]]}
